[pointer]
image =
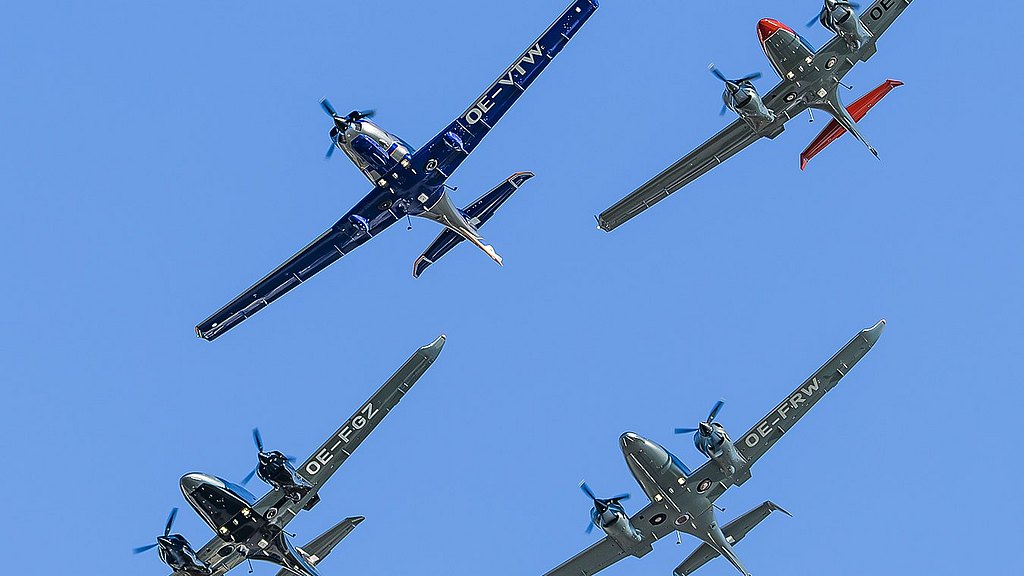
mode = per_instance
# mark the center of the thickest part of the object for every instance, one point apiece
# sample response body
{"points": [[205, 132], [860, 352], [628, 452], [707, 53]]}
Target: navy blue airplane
{"points": [[408, 182]]}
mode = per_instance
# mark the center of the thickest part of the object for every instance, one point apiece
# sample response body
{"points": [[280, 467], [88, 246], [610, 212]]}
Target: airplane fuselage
{"points": [[664, 479]]}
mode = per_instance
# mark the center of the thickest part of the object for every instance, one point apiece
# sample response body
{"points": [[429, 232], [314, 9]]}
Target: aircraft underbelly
{"points": [[786, 52]]}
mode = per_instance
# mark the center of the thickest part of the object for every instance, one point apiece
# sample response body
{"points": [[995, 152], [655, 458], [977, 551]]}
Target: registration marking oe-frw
{"points": [[767, 425]]}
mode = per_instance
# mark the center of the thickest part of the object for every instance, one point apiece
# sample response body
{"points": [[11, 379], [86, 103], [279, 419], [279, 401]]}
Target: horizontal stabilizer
{"points": [[476, 214], [734, 532], [319, 547], [857, 110]]}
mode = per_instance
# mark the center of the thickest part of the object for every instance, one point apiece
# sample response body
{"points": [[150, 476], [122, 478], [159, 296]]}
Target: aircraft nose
{"points": [[630, 440], [766, 27], [189, 482]]}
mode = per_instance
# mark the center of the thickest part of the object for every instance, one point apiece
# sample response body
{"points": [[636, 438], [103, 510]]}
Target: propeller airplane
{"points": [[810, 80], [250, 529], [683, 501], [408, 182]]}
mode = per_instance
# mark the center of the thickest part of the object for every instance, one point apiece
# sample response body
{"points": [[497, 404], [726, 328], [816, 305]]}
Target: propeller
{"points": [[341, 122], [731, 85], [257, 439], [703, 430], [167, 531], [829, 4], [600, 504]]}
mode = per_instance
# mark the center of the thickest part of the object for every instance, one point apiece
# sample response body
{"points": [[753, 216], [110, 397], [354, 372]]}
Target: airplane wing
{"points": [[606, 551], [446, 151], [718, 149], [319, 467], [359, 225], [756, 441]]}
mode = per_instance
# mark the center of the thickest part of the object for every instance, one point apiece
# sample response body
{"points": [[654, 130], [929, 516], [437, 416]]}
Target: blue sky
{"points": [[157, 158]]}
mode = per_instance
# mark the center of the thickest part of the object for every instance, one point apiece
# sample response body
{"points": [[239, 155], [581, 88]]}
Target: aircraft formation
{"points": [[407, 182]]}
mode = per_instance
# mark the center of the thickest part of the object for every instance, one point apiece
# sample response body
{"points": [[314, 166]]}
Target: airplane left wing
{"points": [[446, 151], [756, 441], [718, 149], [650, 521], [319, 467], [364, 221]]}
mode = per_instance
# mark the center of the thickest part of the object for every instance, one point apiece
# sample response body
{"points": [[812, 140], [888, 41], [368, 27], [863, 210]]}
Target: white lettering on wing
{"points": [[518, 70], [357, 422]]}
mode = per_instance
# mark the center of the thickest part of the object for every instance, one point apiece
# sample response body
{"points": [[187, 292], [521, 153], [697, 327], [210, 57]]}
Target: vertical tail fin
{"points": [[835, 107]]}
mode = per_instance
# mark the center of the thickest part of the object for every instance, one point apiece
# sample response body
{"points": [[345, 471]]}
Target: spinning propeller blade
{"points": [[704, 429], [600, 504], [248, 476], [326, 105], [167, 531], [258, 440], [714, 410], [142, 549]]}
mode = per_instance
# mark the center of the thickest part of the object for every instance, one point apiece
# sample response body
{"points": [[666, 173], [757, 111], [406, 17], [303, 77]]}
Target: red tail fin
{"points": [[857, 110]]}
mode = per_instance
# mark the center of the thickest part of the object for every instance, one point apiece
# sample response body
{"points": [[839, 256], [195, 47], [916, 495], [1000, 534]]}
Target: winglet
{"points": [[773, 506], [432, 350], [871, 334]]}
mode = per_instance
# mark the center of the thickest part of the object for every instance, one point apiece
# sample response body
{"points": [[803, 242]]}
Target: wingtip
{"points": [[434, 348]]}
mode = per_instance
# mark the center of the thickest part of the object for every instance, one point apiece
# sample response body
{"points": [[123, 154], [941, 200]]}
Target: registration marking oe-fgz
{"points": [[361, 419]]}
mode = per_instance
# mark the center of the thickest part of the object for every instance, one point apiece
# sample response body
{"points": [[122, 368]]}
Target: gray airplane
{"points": [[684, 501], [809, 80], [251, 529]]}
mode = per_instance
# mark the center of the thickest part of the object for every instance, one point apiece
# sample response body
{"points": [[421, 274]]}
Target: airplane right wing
{"points": [[718, 149], [756, 441], [447, 150], [319, 467]]}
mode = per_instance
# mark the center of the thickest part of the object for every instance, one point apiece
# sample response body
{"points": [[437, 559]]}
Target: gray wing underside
{"points": [[756, 441], [718, 149], [322, 464], [599, 556], [606, 551]]}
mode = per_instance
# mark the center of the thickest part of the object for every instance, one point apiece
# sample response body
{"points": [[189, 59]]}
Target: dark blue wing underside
{"points": [[446, 151], [363, 222]]}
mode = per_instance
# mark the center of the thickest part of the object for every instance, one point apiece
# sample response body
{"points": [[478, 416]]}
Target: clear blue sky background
{"points": [[157, 158]]}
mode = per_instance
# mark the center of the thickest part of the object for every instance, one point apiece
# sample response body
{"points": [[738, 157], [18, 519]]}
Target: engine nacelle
{"points": [[617, 526], [744, 100], [842, 19], [373, 150], [176, 552], [719, 447]]}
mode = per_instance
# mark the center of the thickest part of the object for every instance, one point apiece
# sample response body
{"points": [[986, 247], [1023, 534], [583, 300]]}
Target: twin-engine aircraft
{"points": [[251, 529], [809, 80], [409, 182], [684, 501]]}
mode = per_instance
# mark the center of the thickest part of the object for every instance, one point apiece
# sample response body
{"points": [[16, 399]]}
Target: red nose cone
{"points": [[766, 27]]}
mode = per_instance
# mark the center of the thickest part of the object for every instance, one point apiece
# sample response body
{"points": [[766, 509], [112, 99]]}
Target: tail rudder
{"points": [[474, 215]]}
